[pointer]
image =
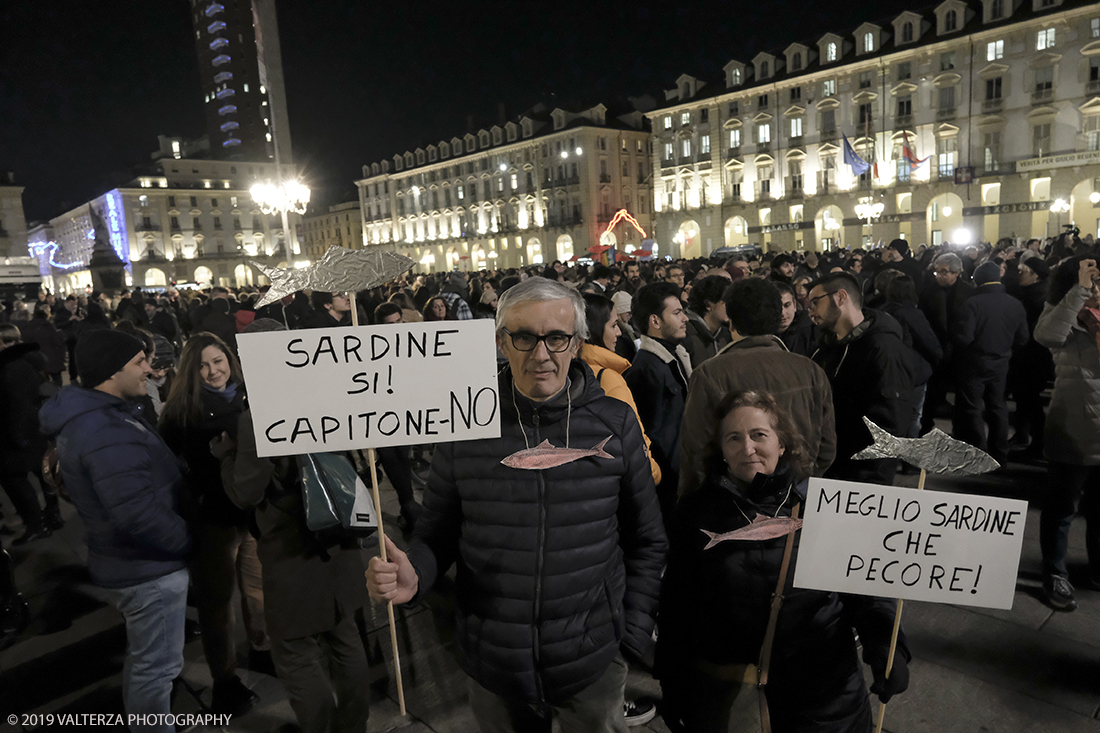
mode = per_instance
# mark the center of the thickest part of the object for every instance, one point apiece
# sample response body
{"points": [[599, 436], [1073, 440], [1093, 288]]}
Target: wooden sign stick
{"points": [[894, 635], [372, 458]]}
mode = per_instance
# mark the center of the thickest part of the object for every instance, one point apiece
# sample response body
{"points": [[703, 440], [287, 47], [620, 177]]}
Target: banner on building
{"points": [[334, 389], [904, 543]]}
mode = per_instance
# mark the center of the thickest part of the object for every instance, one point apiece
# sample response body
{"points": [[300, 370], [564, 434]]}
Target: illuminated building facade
{"points": [[999, 96], [529, 191], [187, 220], [240, 68], [342, 226], [13, 224]]}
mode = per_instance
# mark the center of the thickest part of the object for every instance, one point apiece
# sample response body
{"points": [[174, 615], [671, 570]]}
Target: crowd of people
{"points": [[714, 389]]}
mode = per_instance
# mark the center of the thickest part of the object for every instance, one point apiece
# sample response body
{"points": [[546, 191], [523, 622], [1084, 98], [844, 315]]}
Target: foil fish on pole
{"points": [[935, 452], [340, 270]]}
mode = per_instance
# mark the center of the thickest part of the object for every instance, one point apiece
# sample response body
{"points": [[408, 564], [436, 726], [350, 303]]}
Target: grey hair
{"points": [[542, 289], [951, 260]]}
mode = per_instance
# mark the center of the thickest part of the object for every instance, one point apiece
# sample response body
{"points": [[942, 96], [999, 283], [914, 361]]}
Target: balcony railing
{"points": [[1042, 96], [605, 178], [947, 113], [904, 121], [733, 152], [563, 221], [794, 187], [1093, 87], [992, 105], [147, 227]]}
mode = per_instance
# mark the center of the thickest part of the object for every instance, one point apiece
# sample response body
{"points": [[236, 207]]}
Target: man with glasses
{"points": [[329, 310], [870, 370], [559, 553], [675, 275]]}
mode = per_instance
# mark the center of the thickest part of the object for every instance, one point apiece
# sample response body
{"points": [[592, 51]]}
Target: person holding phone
{"points": [[1070, 328]]}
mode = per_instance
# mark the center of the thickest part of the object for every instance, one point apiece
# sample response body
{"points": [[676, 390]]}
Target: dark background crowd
{"points": [[898, 335]]}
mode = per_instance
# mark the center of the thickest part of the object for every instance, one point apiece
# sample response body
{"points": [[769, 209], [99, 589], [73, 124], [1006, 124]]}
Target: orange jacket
{"points": [[609, 367]]}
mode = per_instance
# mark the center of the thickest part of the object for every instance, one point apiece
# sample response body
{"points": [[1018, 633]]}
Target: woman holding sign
{"points": [[733, 546], [206, 401]]}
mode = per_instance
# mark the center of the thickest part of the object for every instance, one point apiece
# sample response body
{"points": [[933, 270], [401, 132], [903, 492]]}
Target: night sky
{"points": [[85, 88]]}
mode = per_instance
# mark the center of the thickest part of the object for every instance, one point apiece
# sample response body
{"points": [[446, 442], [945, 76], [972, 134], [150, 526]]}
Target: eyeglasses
{"points": [[556, 342], [941, 271], [813, 301]]}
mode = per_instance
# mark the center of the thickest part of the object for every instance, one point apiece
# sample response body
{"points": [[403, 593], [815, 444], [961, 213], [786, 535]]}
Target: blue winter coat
{"points": [[124, 482]]}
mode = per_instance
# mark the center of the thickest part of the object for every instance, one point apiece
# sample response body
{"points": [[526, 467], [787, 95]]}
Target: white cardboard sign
{"points": [[903, 543], [333, 389]]}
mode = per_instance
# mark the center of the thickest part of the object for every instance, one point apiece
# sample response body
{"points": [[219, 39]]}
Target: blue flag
{"points": [[859, 165]]}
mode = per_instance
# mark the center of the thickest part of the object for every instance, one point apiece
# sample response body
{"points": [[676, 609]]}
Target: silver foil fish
{"points": [[545, 455], [761, 528], [935, 452], [340, 270]]}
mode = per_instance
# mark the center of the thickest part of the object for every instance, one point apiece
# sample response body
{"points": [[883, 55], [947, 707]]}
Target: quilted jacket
{"points": [[124, 482], [556, 568]]}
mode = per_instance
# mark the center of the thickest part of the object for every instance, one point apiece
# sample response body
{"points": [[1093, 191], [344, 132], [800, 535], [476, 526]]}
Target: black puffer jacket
{"points": [[715, 606], [556, 567], [871, 372]]}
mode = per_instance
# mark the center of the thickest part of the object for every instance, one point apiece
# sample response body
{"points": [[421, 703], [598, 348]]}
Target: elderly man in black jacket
{"points": [[991, 325], [558, 559], [870, 369]]}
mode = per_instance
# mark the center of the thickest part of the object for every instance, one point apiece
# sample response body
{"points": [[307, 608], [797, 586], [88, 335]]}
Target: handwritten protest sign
{"points": [[332, 389], [903, 543]]}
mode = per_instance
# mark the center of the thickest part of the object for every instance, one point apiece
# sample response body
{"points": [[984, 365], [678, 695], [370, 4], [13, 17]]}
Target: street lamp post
{"points": [[1058, 208], [869, 210], [286, 197]]}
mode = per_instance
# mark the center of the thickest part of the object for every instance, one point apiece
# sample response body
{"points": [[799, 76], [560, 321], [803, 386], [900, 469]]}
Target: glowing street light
{"points": [[1059, 207], [289, 197], [865, 209]]}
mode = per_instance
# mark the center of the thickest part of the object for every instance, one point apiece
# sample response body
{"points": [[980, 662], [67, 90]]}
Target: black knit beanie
{"points": [[101, 353]]}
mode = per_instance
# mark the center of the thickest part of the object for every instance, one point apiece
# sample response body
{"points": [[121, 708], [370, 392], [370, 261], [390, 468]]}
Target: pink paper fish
{"points": [[545, 455], [762, 528]]}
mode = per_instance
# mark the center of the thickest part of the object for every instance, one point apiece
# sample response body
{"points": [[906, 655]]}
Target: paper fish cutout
{"points": [[935, 452], [340, 270], [761, 528], [545, 455]]}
